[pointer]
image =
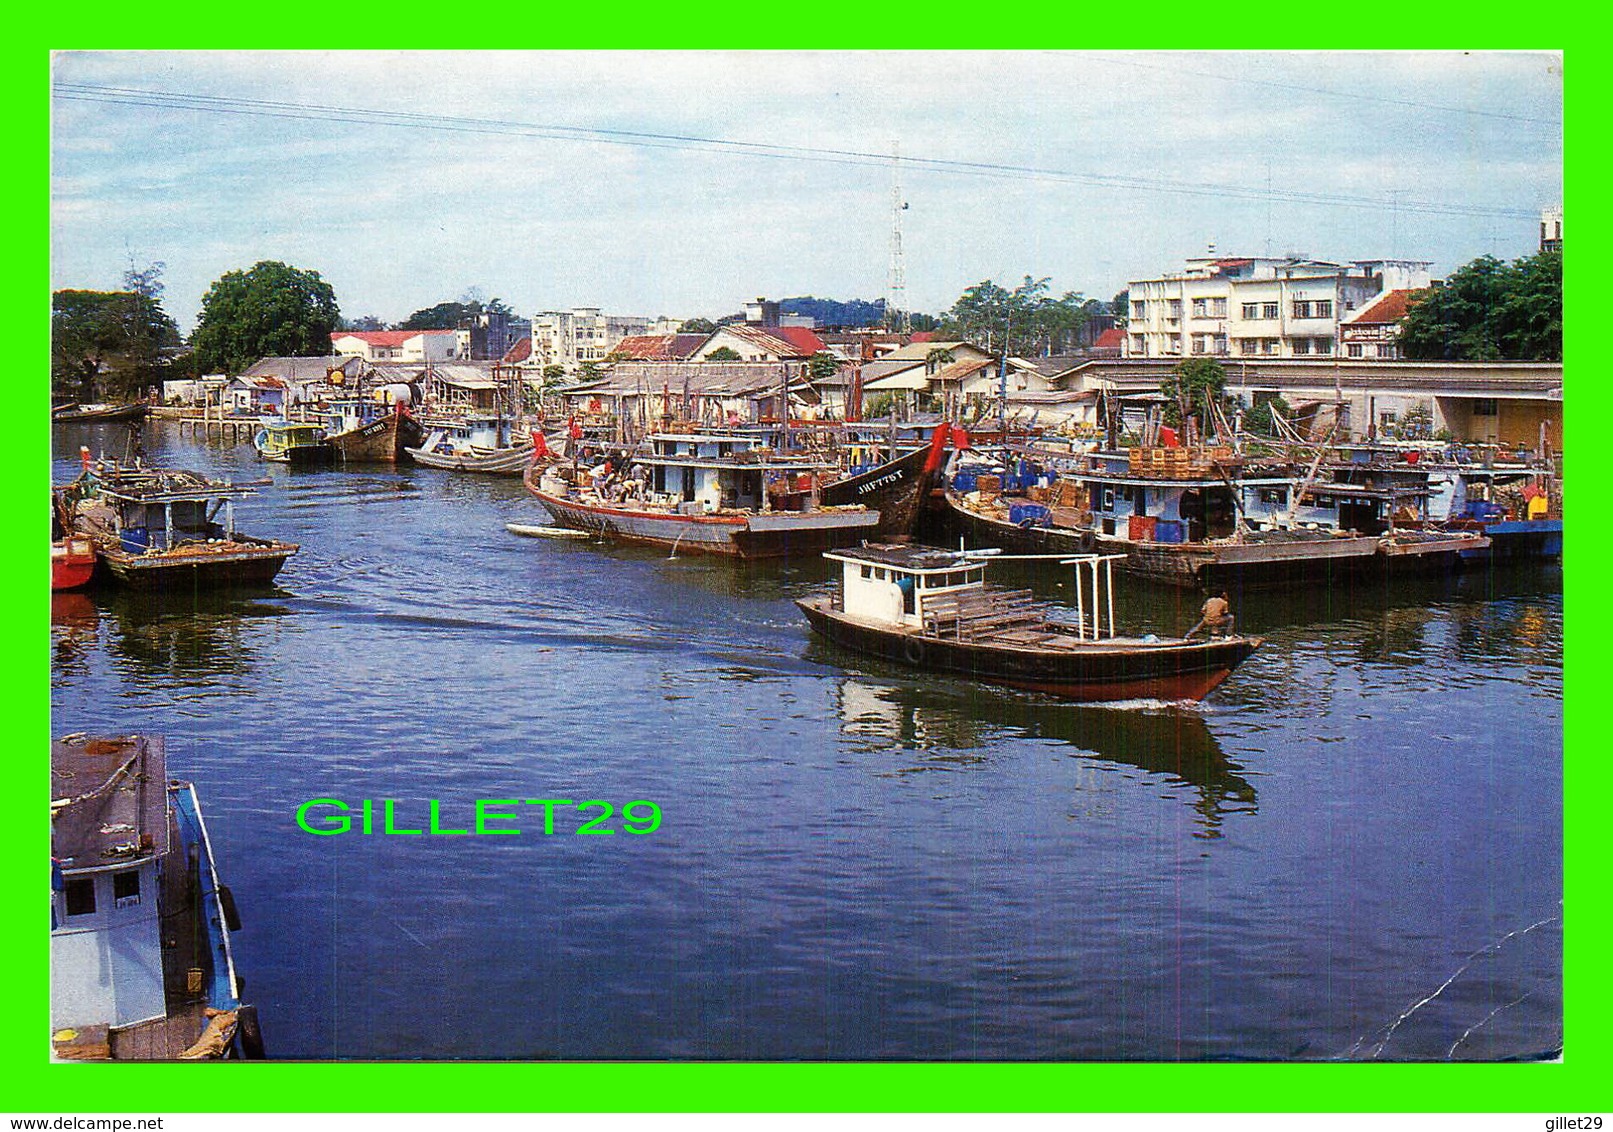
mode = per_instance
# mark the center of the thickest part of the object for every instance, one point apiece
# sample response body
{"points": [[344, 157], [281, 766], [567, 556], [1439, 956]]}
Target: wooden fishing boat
{"points": [[142, 964], [156, 529], [932, 610], [293, 442], [1199, 520], [362, 431], [72, 563], [708, 493], [100, 412], [482, 445]]}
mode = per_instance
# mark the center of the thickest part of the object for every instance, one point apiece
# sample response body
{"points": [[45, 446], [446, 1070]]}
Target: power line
{"points": [[213, 104], [1352, 95]]}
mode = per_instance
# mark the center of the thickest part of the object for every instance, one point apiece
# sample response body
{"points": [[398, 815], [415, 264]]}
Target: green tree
{"points": [[822, 365], [443, 316], [938, 359], [1192, 386], [110, 343], [1257, 420], [723, 354], [1489, 310], [1120, 306], [273, 310], [1025, 320], [697, 326]]}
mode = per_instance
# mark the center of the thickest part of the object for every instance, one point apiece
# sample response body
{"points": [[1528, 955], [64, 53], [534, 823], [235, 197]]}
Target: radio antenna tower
{"points": [[896, 292]]}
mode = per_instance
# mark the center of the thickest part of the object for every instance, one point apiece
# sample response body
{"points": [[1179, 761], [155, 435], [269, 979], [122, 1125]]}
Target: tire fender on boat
{"points": [[226, 899], [247, 1030], [913, 650], [1086, 542]]}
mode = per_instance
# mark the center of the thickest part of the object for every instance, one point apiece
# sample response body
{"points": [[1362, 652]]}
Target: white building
{"points": [[583, 334], [1551, 228], [1283, 308], [397, 345]]}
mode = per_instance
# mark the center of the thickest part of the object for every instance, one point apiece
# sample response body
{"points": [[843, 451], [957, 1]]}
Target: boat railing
{"points": [[1094, 594]]}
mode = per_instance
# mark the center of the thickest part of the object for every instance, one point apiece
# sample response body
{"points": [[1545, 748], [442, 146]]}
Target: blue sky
{"points": [[685, 183]]}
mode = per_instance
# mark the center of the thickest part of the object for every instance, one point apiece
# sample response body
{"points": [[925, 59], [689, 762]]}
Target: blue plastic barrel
{"points": [[1170, 530]]}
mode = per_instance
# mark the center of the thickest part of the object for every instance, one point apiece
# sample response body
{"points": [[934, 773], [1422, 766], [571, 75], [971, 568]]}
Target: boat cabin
{"points": [[109, 831], [705, 472], [159, 510], [891, 584]]}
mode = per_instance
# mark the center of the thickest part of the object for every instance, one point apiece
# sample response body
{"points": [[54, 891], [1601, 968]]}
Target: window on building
{"points": [[1218, 308], [1108, 501], [1139, 309], [1201, 308], [79, 893], [1324, 345], [867, 571], [1485, 407], [1388, 350], [1274, 496], [1322, 502], [1355, 349], [1198, 344], [1220, 343], [1270, 310], [1251, 311], [1302, 308], [1174, 308], [1323, 308], [1137, 344], [1248, 345], [126, 888], [1268, 345], [1302, 345]]}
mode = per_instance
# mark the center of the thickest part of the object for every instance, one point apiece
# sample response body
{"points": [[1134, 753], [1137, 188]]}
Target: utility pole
{"points": [[896, 295]]}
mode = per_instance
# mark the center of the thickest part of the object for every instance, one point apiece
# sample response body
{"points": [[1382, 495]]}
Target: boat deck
{"points": [[161, 1039]]}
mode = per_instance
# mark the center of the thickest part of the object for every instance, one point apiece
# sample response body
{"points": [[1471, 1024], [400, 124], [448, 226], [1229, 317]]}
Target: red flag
{"points": [[937, 443], [1167, 436], [540, 446], [573, 429], [960, 439]]}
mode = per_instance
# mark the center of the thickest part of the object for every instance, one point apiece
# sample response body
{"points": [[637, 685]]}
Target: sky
{"points": [[687, 183]]}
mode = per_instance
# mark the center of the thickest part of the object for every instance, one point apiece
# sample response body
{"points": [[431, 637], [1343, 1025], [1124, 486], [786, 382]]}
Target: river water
{"points": [[1353, 849]]}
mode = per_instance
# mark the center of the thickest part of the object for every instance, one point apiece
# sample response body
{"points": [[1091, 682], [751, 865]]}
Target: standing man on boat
{"points": [[1216, 617]]}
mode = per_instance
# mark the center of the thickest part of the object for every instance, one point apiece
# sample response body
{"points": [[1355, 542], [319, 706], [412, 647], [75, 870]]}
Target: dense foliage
{"points": [[1027, 320], [1192, 386], [449, 316], [1489, 310], [110, 344], [273, 310], [836, 313]]}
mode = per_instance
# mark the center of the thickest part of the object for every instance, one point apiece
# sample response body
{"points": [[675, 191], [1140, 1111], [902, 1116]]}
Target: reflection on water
{"points": [[940, 730], [197, 639]]}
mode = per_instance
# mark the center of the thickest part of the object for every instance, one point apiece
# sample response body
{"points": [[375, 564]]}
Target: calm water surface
{"points": [[856, 861]]}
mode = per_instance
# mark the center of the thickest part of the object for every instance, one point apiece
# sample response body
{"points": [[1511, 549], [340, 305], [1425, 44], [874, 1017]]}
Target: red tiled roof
{"points": [[644, 347], [1389, 307], [383, 337], [802, 338], [785, 341], [1114, 336], [922, 336], [520, 352]]}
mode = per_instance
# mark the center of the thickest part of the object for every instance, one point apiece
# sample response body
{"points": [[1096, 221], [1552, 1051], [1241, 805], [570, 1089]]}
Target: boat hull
{"points": [[1092, 673], [382, 441], [896, 490], [751, 535], [72, 564], [133, 412], [209, 567], [504, 462]]}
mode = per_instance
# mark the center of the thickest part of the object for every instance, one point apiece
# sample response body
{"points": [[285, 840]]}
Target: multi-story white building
{"points": [[1551, 228], [583, 334], [1282, 308]]}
